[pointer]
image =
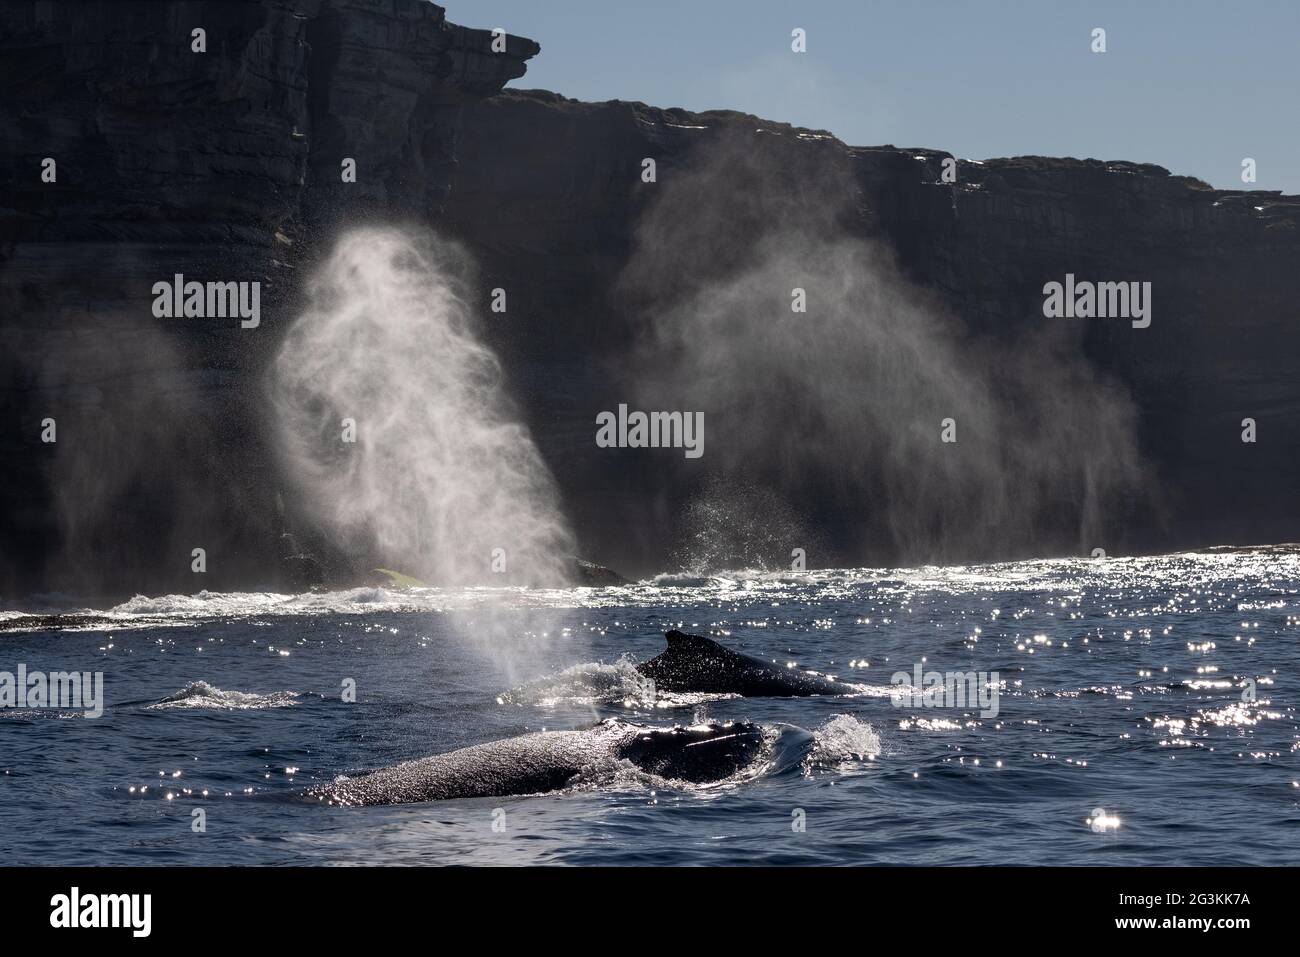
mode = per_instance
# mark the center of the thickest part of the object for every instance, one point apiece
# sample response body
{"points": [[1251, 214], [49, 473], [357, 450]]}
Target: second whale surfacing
{"points": [[699, 664], [549, 760]]}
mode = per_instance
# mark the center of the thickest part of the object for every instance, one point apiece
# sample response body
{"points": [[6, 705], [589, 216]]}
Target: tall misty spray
{"points": [[838, 410], [395, 424]]}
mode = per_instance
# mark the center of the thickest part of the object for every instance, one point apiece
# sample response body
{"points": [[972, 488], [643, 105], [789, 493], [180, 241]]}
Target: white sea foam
{"points": [[841, 742], [200, 694], [597, 683], [1063, 575]]}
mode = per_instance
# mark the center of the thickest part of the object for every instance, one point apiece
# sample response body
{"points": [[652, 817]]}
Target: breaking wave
{"points": [[841, 743], [200, 694]]}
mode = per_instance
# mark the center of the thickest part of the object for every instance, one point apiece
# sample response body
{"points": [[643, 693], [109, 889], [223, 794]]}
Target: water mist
{"points": [[839, 409], [396, 427]]}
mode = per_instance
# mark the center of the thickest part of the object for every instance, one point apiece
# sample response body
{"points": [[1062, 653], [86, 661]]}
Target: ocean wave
{"points": [[200, 694], [693, 580], [202, 604], [1249, 566]]}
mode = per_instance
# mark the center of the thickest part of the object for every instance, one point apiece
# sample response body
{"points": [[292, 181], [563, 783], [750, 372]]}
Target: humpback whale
{"points": [[549, 760], [696, 663]]}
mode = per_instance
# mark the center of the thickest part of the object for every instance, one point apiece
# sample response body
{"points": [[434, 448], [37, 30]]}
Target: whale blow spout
{"points": [[396, 426]]}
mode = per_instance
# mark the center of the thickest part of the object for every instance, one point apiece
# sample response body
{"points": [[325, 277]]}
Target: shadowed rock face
{"points": [[549, 760], [1222, 264], [696, 663], [222, 165], [225, 166]]}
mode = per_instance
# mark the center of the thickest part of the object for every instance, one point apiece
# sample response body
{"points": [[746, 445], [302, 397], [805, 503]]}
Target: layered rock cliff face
{"points": [[225, 165], [221, 165], [561, 222]]}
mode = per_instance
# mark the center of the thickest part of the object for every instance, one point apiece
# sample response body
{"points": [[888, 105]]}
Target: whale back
{"points": [[699, 664], [550, 760], [692, 660], [701, 754], [530, 764]]}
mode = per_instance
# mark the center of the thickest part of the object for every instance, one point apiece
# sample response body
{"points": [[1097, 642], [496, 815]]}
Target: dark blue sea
{"points": [[1146, 715]]}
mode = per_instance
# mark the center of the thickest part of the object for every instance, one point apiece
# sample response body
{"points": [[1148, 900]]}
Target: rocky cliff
{"points": [[226, 164], [221, 163], [1224, 268]]}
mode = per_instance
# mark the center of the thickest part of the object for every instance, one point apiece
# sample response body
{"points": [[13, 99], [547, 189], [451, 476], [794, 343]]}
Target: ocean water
{"points": [[1160, 691]]}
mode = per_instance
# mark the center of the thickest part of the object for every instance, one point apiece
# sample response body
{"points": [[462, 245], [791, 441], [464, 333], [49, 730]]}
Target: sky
{"points": [[1195, 86]]}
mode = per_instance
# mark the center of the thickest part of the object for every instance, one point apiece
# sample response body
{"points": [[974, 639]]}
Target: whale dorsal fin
{"points": [[696, 644]]}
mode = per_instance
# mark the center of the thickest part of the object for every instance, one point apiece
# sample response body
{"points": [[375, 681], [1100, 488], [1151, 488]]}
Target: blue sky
{"points": [[1195, 86]]}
